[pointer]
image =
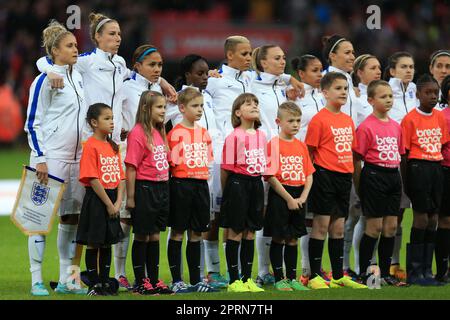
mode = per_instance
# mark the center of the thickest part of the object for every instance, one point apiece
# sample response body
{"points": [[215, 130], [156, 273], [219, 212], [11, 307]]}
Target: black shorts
{"points": [[380, 191], [151, 210], [330, 193], [445, 202], [95, 227], [424, 185], [281, 222], [189, 205], [242, 203]]}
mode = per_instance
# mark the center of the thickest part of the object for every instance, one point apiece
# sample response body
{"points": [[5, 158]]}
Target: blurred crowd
{"points": [[417, 26]]}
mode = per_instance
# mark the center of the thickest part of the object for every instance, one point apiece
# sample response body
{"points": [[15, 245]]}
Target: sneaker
{"points": [[297, 286], [145, 288], [304, 279], [124, 285], [327, 276], [74, 289], [350, 273], [180, 288], [252, 287], [162, 288], [216, 280], [108, 290], [264, 280], [237, 286], [203, 287], [38, 289], [283, 285], [394, 282], [96, 290], [396, 272], [445, 279], [317, 283], [346, 282]]}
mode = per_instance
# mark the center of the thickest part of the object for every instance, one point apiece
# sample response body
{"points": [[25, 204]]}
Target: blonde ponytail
{"points": [[52, 36]]}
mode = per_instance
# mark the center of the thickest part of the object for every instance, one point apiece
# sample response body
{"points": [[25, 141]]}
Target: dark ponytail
{"points": [[301, 63], [93, 113], [331, 44], [392, 63]]}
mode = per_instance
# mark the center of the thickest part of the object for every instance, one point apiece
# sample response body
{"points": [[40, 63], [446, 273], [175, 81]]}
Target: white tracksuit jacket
{"points": [[404, 99], [226, 89], [271, 92], [132, 90], [310, 105], [56, 117], [103, 77]]}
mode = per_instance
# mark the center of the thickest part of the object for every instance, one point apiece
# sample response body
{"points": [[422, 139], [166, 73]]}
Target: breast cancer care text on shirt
{"points": [[110, 169], [430, 139], [343, 138]]}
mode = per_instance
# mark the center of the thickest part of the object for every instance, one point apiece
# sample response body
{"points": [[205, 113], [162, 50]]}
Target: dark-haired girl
{"points": [[425, 132], [102, 174]]}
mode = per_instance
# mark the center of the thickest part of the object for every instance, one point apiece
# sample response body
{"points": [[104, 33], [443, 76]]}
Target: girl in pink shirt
{"points": [[379, 183], [243, 163], [148, 190]]}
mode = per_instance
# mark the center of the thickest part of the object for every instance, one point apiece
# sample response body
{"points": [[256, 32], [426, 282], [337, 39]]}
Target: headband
{"points": [[145, 53], [335, 44], [101, 23], [439, 54], [360, 60]]}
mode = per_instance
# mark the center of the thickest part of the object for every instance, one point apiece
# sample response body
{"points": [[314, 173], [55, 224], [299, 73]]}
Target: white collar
{"points": [[334, 69], [141, 80], [61, 69], [424, 113], [362, 89], [397, 85], [228, 71]]}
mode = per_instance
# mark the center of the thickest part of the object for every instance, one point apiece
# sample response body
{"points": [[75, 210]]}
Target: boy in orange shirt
{"points": [[330, 139], [191, 155], [289, 174], [425, 132]]}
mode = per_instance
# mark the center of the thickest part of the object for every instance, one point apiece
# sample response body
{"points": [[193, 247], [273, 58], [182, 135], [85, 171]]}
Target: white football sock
{"points": [[66, 242], [263, 247], [36, 247], [121, 251], [304, 243], [202, 259], [357, 236], [212, 258], [397, 245]]}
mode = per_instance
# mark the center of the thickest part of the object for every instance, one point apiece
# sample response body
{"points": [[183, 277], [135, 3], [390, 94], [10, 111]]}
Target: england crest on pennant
{"points": [[39, 193]]}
